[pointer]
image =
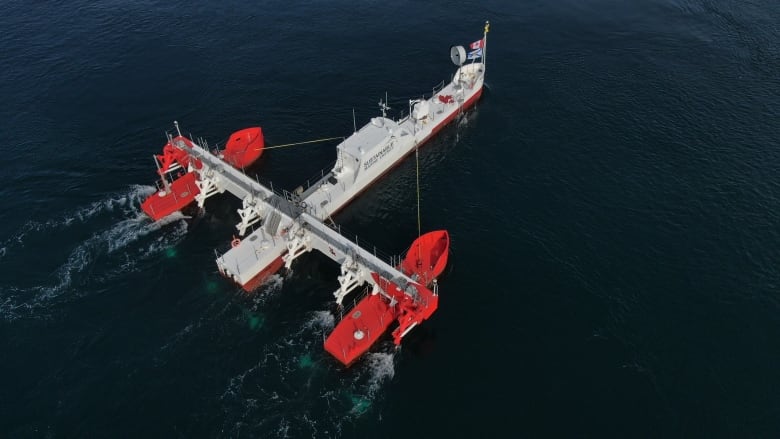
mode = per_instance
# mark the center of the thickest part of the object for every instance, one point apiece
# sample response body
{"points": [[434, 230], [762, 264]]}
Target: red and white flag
{"points": [[477, 44]]}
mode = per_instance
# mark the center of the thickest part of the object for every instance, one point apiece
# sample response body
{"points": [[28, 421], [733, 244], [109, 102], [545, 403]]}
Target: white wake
{"points": [[128, 237]]}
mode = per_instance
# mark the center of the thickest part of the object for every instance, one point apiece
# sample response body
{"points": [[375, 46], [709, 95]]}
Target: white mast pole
{"points": [[484, 44]]}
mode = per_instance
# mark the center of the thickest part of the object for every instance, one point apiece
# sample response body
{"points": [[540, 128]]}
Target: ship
{"points": [[278, 226]]}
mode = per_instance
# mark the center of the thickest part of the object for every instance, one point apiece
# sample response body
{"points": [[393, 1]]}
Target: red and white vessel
{"points": [[286, 225]]}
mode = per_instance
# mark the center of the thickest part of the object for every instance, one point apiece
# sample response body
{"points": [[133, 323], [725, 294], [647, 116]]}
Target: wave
{"points": [[128, 237], [268, 290], [126, 203], [307, 382], [117, 241]]}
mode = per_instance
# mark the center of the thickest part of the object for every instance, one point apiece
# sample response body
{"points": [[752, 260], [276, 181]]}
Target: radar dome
{"points": [[458, 55]]}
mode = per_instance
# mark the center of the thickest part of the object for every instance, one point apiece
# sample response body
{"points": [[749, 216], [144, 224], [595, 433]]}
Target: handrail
{"points": [[391, 259]]}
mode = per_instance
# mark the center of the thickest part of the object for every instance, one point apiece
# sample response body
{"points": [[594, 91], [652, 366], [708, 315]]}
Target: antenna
{"points": [[383, 106], [484, 43], [354, 124], [176, 124]]}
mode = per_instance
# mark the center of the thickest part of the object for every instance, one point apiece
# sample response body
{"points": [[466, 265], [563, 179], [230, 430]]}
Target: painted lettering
{"points": [[378, 156]]}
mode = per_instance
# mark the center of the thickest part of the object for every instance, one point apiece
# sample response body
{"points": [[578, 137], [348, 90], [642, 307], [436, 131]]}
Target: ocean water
{"points": [[613, 202]]}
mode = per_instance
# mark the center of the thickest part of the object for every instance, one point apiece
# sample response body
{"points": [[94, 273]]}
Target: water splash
{"points": [[321, 320], [381, 368], [325, 397], [270, 288], [127, 203], [129, 238]]}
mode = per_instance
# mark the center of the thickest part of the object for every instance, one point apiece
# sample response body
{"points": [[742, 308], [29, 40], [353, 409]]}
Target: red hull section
{"points": [[360, 329], [414, 305], [181, 193], [244, 147], [172, 155], [370, 318], [427, 257]]}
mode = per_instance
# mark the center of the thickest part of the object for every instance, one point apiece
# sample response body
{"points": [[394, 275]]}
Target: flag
{"points": [[474, 54], [477, 44]]}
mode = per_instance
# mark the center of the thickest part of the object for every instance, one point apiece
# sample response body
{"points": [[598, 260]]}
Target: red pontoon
{"points": [[389, 302], [243, 148], [427, 257]]}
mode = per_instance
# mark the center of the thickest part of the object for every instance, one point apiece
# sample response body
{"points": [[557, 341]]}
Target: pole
{"points": [[484, 45], [417, 159], [161, 173]]}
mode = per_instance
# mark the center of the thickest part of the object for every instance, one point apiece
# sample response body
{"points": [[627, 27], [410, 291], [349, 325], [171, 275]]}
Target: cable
{"points": [[302, 143]]}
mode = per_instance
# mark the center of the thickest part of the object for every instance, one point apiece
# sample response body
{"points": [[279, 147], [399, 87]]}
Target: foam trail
{"points": [[272, 286], [117, 243], [118, 237], [381, 368], [333, 398], [322, 320], [126, 202], [127, 259]]}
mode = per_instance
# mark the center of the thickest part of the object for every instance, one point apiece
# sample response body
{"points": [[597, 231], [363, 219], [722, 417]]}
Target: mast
{"points": [[484, 44], [417, 160], [383, 106]]}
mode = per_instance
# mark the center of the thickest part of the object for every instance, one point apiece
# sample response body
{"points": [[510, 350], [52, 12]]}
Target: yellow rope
{"points": [[417, 158], [302, 143]]}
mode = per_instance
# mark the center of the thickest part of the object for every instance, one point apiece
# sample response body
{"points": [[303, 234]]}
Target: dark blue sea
{"points": [[613, 202]]}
